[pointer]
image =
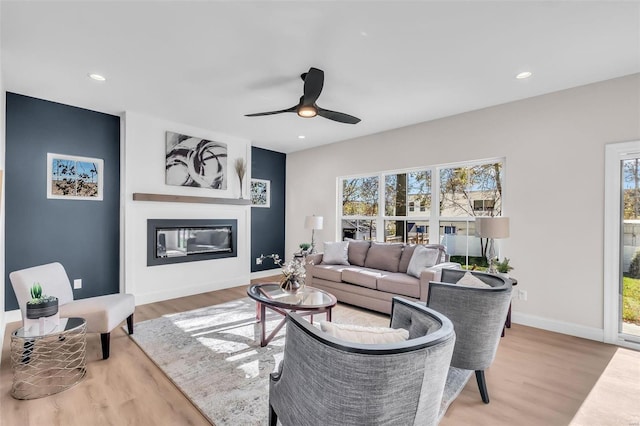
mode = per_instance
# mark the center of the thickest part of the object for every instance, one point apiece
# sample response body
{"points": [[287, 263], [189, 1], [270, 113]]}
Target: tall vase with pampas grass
{"points": [[241, 169]]}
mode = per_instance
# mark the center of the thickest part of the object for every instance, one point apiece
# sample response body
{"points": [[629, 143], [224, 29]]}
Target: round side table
{"points": [[47, 363]]}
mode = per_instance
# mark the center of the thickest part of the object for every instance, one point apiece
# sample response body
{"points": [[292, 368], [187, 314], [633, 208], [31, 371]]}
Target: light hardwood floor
{"points": [[538, 378]]}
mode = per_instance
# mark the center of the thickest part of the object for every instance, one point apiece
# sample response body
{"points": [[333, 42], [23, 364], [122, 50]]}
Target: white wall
{"points": [[144, 171], [554, 187]]}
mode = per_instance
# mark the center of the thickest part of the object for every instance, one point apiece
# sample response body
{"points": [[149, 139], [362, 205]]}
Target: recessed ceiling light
{"points": [[97, 77], [524, 74], [301, 137], [364, 33]]}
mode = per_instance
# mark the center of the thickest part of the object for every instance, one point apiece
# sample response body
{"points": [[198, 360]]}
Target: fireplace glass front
{"points": [[173, 241]]}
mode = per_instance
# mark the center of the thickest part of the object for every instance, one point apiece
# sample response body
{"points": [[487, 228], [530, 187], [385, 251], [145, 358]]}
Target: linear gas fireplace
{"points": [[188, 240]]}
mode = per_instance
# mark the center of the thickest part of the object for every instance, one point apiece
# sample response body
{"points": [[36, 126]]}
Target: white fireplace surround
{"points": [[144, 172]]}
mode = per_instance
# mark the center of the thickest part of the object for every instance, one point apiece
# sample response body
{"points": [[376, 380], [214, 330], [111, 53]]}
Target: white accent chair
{"points": [[102, 313]]}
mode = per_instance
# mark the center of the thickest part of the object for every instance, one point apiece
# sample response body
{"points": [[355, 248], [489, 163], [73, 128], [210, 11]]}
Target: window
{"points": [[466, 191], [483, 205], [360, 196], [408, 210], [360, 207]]}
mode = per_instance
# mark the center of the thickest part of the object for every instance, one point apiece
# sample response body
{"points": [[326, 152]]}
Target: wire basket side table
{"points": [[45, 363]]}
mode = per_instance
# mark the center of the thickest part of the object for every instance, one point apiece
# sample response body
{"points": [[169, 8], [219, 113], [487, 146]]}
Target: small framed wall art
{"points": [[71, 177], [260, 193]]}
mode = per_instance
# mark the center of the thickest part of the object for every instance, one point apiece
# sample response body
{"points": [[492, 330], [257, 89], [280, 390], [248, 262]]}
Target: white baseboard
{"points": [[144, 298], [264, 274], [558, 326], [12, 316]]}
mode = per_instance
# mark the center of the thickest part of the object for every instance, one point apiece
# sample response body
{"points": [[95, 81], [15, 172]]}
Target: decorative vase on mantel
{"points": [[241, 169]]}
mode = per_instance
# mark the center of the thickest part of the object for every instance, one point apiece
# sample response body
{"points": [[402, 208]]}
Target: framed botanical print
{"points": [[260, 193], [71, 177]]}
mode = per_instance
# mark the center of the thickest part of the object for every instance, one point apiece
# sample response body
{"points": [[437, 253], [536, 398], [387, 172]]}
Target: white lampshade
{"points": [[492, 227], [313, 222]]}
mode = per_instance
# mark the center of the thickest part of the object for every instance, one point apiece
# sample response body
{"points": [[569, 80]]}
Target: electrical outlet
{"points": [[522, 294], [77, 284], [258, 261]]}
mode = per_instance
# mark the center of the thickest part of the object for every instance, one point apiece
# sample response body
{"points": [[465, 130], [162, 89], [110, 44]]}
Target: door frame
{"points": [[614, 153]]}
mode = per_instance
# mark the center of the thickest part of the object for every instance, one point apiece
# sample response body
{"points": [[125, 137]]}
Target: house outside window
{"points": [[435, 204]]}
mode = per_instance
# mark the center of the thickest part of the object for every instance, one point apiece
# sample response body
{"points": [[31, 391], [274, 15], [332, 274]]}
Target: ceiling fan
{"points": [[307, 107]]}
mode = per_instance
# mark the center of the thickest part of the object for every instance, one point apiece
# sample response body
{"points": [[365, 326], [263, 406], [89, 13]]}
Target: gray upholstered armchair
{"points": [[478, 316], [325, 380]]}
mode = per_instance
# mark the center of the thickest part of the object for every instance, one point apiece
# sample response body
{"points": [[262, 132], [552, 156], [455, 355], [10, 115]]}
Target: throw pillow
{"points": [[357, 251], [336, 253], [384, 256], [421, 258], [471, 280], [366, 335]]}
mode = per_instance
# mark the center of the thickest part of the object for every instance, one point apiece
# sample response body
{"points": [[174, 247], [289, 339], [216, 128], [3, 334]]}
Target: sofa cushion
{"points": [[328, 272], [336, 253], [405, 258], [362, 276], [358, 251], [401, 284], [470, 280], [422, 258], [385, 256], [366, 335]]}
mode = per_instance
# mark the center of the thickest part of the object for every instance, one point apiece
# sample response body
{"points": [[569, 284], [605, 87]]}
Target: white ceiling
{"points": [[390, 63]]}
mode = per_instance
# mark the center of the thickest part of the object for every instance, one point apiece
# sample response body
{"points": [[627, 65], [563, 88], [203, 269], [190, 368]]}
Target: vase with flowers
{"points": [[293, 272]]}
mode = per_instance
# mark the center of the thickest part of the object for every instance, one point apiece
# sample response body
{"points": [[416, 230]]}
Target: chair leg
{"points": [[273, 417], [482, 385], [105, 338], [130, 324]]}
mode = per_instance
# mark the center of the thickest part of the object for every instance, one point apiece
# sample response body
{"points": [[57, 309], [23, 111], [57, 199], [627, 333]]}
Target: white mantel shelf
{"points": [[167, 198]]}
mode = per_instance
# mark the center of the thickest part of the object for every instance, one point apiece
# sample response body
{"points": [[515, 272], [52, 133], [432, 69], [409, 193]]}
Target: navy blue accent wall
{"points": [[82, 235], [267, 224]]}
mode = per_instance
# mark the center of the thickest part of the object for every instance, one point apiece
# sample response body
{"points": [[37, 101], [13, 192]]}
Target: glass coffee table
{"points": [[307, 301]]}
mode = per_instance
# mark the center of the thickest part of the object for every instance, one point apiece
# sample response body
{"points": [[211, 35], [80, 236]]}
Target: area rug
{"points": [[213, 356]]}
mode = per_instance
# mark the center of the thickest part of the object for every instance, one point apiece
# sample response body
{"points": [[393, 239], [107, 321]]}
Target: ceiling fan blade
{"points": [[338, 116], [313, 82], [257, 114]]}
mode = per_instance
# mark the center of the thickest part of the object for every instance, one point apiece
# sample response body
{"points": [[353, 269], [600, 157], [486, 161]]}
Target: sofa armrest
{"points": [[314, 259], [310, 261], [433, 274]]}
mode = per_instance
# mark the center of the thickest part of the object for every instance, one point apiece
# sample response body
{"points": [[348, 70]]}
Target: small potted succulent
{"points": [[40, 304], [304, 248], [503, 267]]}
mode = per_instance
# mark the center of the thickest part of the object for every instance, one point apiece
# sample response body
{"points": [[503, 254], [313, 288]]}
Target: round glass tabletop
{"points": [[305, 298], [66, 324]]}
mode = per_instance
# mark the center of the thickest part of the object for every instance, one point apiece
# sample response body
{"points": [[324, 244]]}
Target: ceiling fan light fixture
{"points": [[307, 111]]}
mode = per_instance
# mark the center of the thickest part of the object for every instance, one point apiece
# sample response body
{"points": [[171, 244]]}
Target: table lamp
{"points": [[492, 228], [313, 223]]}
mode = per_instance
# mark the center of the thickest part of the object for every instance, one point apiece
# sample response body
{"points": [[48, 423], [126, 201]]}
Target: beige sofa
{"points": [[376, 273]]}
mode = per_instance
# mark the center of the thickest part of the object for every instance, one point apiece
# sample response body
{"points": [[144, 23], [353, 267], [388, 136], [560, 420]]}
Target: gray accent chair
{"points": [[478, 316], [325, 380]]}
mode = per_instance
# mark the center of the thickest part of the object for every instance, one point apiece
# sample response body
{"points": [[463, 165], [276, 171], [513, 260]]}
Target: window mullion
{"points": [[434, 222], [382, 189]]}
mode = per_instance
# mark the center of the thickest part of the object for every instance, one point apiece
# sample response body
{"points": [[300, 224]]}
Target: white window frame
{"points": [[433, 218]]}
